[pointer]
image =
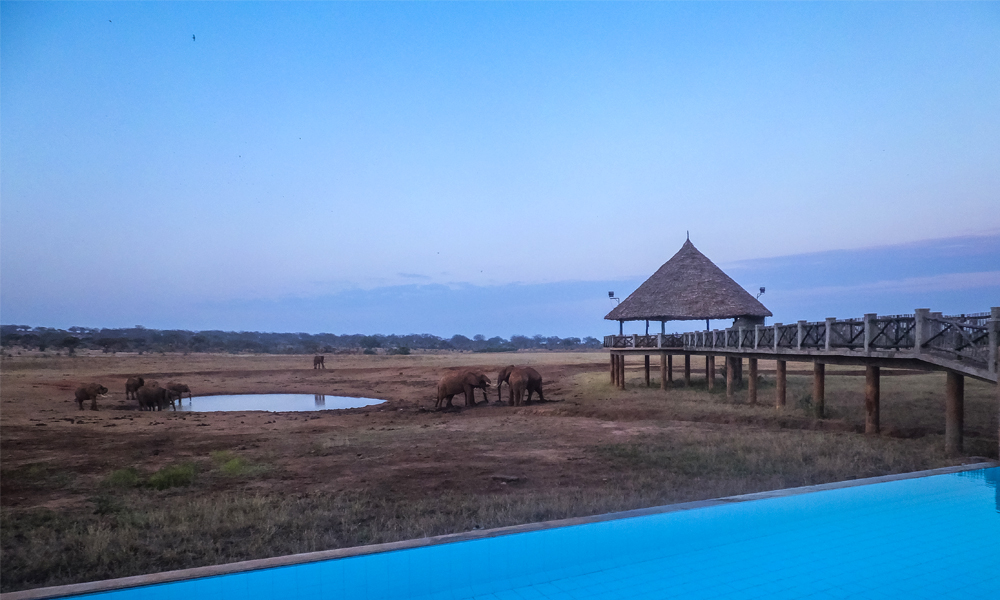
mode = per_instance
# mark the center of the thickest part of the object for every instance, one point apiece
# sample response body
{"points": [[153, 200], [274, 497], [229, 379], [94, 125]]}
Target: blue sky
{"points": [[490, 167]]}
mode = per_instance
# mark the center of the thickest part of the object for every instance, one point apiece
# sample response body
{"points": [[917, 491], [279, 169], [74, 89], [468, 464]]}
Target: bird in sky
{"points": [[192, 37]]}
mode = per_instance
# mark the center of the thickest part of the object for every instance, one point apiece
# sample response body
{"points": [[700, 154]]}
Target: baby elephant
{"points": [[180, 389], [152, 397], [318, 362], [464, 381], [528, 379], [90, 392]]}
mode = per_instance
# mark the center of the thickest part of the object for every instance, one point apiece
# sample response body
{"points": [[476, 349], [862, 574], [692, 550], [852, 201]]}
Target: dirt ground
{"points": [[41, 422], [588, 448]]}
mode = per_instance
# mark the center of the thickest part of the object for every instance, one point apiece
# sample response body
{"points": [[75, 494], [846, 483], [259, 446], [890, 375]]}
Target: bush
{"points": [[123, 478], [172, 476]]}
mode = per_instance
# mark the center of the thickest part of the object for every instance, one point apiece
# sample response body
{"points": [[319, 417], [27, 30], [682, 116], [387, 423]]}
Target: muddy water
{"points": [[273, 402]]}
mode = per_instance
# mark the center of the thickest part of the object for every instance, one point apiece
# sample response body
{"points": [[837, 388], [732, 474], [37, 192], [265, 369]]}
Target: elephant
{"points": [[533, 382], [131, 385], [463, 381], [318, 362], [180, 389], [90, 392], [153, 397], [517, 381]]}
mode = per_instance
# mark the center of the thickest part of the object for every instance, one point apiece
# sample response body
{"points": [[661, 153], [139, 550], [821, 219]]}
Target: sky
{"points": [[490, 168]]}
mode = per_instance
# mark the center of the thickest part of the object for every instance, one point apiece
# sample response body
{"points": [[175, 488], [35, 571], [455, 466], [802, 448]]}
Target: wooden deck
{"points": [[965, 344], [960, 345]]}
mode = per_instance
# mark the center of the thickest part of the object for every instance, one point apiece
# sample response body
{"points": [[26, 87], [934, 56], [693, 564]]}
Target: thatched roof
{"points": [[688, 287]]}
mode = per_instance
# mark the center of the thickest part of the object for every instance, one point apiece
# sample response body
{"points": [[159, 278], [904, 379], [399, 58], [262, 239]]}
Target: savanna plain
{"points": [[88, 495]]}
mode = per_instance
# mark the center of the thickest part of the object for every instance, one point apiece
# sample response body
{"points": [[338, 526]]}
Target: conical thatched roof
{"points": [[688, 287]]}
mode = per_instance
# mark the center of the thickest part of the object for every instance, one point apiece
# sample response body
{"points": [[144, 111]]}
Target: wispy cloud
{"points": [[954, 282]]}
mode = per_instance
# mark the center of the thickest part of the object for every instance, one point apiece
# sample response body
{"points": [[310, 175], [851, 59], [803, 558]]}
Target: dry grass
{"points": [[98, 495]]}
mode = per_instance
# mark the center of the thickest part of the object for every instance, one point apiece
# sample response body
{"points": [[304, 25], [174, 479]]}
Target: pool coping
{"points": [[108, 585]]}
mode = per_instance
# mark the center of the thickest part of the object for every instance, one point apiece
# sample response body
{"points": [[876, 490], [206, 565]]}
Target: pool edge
{"points": [[108, 585]]}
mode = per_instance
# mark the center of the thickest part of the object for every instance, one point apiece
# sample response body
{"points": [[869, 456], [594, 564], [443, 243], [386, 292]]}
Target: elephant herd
{"points": [[149, 395], [153, 397], [519, 380]]}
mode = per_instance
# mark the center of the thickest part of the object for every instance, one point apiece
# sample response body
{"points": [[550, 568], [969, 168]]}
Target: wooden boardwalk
{"points": [[961, 345]]}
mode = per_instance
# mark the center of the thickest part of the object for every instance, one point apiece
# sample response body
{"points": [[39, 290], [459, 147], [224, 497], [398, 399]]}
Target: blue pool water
{"points": [[927, 537], [273, 402]]}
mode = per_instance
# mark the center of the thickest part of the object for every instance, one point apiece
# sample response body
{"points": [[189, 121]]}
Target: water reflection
{"points": [[275, 402], [991, 477]]}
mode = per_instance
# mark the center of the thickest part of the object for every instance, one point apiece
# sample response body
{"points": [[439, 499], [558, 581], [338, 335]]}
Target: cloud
{"points": [[954, 282]]}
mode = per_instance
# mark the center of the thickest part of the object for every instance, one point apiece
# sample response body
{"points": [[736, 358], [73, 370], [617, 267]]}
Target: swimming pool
{"points": [[911, 536]]}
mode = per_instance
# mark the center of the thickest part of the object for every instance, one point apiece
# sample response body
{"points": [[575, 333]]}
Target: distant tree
{"points": [[370, 341], [70, 342], [460, 342]]}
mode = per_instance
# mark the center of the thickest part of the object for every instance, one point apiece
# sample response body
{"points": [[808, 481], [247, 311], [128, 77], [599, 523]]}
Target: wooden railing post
{"points": [[730, 376], [659, 340], [954, 412], [869, 330], [663, 370], [921, 328], [777, 334], [819, 389], [756, 336], [621, 371], [780, 381], [828, 337], [872, 399], [802, 328], [994, 341], [739, 338]]}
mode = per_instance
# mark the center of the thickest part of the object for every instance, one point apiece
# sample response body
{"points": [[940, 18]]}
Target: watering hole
{"points": [[273, 402]]}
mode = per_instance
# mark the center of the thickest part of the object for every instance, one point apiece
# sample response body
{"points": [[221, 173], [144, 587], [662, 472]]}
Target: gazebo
{"points": [[688, 287]]}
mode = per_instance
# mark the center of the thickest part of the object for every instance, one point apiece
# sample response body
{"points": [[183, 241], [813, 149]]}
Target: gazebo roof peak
{"points": [[688, 287]]}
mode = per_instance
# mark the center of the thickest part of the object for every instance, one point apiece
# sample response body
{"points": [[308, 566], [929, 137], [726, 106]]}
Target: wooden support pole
{"points": [[706, 371], [738, 372], [954, 413], [670, 368], [710, 359], [647, 369], [730, 376], [663, 370], [872, 399], [752, 388], [687, 370], [819, 389], [614, 370], [779, 384], [621, 371]]}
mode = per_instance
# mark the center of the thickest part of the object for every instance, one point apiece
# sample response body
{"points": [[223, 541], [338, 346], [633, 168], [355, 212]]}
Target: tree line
{"points": [[141, 339]]}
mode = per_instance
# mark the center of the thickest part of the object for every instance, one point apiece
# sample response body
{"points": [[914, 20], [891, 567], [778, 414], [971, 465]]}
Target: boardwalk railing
{"points": [[965, 342], [660, 340]]}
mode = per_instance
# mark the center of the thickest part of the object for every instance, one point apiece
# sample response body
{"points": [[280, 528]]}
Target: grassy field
{"points": [[93, 495]]}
